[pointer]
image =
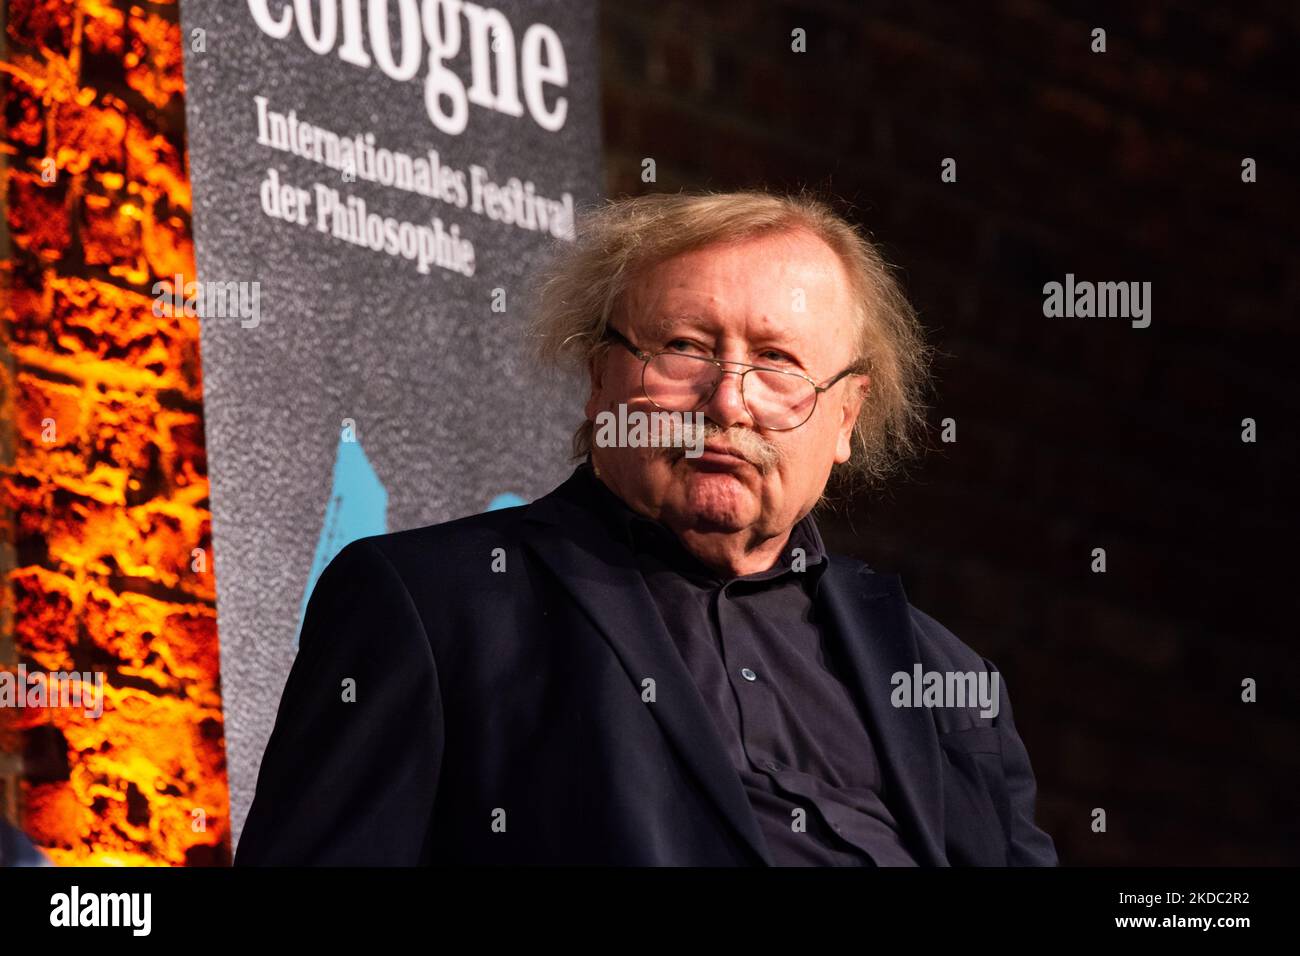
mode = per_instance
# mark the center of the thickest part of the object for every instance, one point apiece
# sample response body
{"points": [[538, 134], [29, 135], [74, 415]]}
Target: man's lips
{"points": [[720, 455]]}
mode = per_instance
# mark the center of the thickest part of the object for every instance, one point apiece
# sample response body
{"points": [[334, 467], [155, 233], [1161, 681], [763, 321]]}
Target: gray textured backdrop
{"points": [[448, 410]]}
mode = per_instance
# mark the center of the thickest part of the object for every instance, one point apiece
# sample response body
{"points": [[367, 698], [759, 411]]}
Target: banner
{"points": [[373, 184]]}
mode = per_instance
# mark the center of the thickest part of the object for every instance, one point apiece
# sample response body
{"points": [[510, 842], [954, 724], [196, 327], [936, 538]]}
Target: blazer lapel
{"points": [[603, 578], [869, 615]]}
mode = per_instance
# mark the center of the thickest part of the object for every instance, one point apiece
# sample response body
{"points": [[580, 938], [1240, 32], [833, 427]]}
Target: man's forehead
{"points": [[777, 276], [766, 325]]}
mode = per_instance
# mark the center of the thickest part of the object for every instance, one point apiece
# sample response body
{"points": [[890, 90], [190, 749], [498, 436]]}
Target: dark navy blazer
{"points": [[498, 663]]}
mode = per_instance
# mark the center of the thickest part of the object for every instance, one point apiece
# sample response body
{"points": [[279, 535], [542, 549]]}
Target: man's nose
{"points": [[727, 406]]}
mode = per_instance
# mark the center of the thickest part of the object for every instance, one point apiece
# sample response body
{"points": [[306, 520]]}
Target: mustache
{"points": [[749, 445]]}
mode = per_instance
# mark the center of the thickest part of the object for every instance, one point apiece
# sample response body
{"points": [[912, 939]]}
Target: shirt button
{"points": [[773, 766], [746, 673]]}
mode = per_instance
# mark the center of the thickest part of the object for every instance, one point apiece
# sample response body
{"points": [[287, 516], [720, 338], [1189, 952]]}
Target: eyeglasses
{"points": [[776, 399]]}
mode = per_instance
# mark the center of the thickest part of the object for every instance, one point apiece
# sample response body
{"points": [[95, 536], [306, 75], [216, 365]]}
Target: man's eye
{"points": [[683, 345], [775, 357]]}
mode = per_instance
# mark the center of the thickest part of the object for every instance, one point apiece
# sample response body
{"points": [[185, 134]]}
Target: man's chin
{"points": [[718, 501]]}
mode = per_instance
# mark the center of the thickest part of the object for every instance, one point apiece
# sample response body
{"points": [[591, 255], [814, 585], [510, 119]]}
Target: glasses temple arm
{"points": [[623, 340], [857, 369]]}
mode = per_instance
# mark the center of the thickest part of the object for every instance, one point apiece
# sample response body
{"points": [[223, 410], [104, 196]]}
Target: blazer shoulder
{"points": [[932, 637], [937, 640], [934, 641], [444, 543]]}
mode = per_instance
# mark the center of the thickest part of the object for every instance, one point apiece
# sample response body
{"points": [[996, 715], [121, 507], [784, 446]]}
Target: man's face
{"points": [[779, 300]]}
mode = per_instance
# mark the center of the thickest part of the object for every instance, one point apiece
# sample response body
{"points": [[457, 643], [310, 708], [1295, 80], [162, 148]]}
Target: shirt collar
{"points": [[645, 534]]}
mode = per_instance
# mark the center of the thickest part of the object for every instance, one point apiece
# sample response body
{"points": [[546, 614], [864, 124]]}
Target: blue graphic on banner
{"points": [[358, 507]]}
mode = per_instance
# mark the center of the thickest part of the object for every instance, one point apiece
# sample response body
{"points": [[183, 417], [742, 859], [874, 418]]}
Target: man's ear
{"points": [[859, 386], [596, 375]]}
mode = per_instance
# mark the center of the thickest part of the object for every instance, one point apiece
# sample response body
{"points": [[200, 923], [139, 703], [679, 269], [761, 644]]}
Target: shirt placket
{"points": [[747, 677]]}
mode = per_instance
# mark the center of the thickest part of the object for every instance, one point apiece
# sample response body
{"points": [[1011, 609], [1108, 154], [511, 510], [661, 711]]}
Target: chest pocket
{"points": [[976, 740], [977, 808]]}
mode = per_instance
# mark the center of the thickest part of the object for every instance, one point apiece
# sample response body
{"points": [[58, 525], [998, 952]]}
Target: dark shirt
{"points": [[767, 677]]}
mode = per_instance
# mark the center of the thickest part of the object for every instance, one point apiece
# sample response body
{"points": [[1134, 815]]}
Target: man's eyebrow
{"points": [[668, 320], [770, 336]]}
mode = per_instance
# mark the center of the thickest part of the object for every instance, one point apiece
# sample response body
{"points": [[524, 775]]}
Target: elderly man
{"points": [[658, 663]]}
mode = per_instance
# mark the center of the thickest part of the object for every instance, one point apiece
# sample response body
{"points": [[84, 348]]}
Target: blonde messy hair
{"points": [[583, 289]]}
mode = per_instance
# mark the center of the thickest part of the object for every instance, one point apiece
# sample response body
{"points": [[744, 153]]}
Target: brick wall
{"points": [[106, 555], [1072, 434]]}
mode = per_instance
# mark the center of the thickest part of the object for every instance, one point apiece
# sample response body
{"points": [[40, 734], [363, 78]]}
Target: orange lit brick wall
{"points": [[105, 545]]}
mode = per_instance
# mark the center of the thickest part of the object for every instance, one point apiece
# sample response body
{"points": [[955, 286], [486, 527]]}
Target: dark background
{"points": [[1072, 433]]}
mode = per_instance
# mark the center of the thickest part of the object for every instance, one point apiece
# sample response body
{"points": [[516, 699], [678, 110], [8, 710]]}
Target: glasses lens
{"points": [[777, 399], [679, 383]]}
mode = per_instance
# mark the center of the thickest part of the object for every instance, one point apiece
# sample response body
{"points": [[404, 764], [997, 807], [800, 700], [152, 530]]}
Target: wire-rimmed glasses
{"points": [[776, 399]]}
